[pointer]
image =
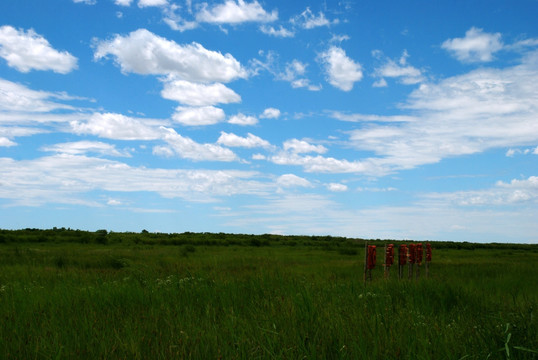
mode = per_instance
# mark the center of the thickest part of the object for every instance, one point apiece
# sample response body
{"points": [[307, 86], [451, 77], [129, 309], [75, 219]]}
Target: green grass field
{"points": [[70, 295]]}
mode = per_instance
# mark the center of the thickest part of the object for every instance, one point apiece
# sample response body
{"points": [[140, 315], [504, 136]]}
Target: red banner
{"points": [[389, 255], [412, 253], [371, 257], [419, 253], [402, 252]]}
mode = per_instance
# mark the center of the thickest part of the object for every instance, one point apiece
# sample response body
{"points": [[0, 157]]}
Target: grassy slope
{"points": [[70, 300]]}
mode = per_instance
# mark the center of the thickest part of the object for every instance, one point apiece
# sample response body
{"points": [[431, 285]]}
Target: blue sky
{"points": [[387, 119]]}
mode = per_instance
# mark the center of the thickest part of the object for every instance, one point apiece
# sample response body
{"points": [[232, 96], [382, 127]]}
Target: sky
{"points": [[371, 119]]}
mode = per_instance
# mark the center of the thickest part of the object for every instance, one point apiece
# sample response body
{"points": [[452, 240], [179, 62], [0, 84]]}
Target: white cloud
{"points": [[513, 152], [197, 116], [461, 115], [375, 189], [294, 214], [316, 214], [270, 113], [406, 73], [337, 39], [17, 97], [5, 142], [15, 131], [114, 202], [195, 94], [87, 2], [291, 180], [123, 2], [26, 51], [242, 119], [301, 146], [307, 20], [69, 179], [516, 192], [322, 164], [117, 126], [305, 83], [294, 73], [85, 147], [337, 187], [476, 46], [259, 157], [280, 32], [294, 69], [148, 3], [380, 83], [143, 52], [189, 149], [369, 117], [176, 22], [232, 12], [251, 141], [342, 71], [522, 44]]}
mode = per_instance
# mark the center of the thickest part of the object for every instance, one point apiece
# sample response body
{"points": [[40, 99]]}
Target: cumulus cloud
{"points": [[270, 113], [476, 46], [143, 52], [341, 70], [233, 140], [301, 146], [187, 148], [242, 119], [27, 50], [85, 147], [291, 180], [197, 116], [196, 94], [232, 12], [118, 126]]}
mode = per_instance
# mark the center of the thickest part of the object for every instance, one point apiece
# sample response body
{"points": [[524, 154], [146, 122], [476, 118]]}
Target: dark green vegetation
{"points": [[67, 294]]}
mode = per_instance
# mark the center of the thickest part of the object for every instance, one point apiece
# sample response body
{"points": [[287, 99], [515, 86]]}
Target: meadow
{"points": [[67, 294]]}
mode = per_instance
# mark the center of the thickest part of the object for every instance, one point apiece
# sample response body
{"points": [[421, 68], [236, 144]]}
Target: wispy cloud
{"points": [[401, 70]]}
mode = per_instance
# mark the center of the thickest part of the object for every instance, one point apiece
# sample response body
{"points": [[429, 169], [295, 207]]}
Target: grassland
{"points": [[68, 294]]}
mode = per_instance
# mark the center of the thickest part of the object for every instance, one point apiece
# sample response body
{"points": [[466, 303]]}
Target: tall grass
{"points": [[235, 302]]}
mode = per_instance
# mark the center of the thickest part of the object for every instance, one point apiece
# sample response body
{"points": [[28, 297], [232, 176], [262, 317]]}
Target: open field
{"points": [[67, 294]]}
